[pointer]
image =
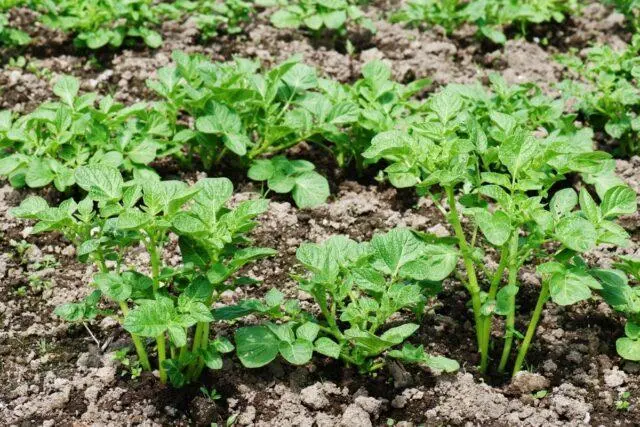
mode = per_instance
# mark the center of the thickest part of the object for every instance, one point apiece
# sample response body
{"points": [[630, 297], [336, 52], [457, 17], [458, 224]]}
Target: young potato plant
{"points": [[213, 17], [298, 177], [610, 98], [624, 298], [492, 17], [318, 15], [104, 22], [505, 185], [10, 36], [525, 102], [360, 290], [241, 113], [382, 105], [47, 144], [167, 304]]}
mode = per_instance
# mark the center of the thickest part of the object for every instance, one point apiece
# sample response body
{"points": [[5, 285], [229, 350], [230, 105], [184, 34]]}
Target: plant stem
{"points": [[155, 264], [488, 320], [137, 342], [472, 280], [531, 330], [162, 355], [511, 316]]}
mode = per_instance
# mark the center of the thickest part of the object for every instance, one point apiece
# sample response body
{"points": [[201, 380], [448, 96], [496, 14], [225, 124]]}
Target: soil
{"points": [[53, 373]]}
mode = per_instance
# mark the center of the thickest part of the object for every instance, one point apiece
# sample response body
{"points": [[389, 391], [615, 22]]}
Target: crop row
{"points": [[494, 161], [109, 23]]}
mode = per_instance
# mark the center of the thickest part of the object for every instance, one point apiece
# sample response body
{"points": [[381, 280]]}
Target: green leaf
{"points": [[496, 227], [446, 105], [284, 18], [193, 252], [311, 189], [113, 286], [308, 331], [328, 347], [619, 200], [399, 333], [103, 183], [628, 348], [576, 233], [567, 288], [298, 352], [504, 302], [256, 346], [589, 206], [149, 319], [38, 174], [397, 248], [436, 263], [517, 152], [214, 192], [30, 207], [301, 77], [563, 202], [261, 170], [67, 89]]}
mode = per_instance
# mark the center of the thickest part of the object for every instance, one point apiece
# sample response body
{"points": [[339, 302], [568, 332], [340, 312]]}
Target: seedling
{"points": [[452, 153], [358, 288], [623, 403], [610, 97], [491, 17], [45, 146], [210, 394], [156, 301], [130, 365]]}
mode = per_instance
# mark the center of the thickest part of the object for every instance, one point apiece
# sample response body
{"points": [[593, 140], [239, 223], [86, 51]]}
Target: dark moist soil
{"points": [[53, 373]]}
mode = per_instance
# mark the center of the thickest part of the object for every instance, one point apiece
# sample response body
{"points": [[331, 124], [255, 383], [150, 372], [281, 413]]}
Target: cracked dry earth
{"points": [[53, 373]]}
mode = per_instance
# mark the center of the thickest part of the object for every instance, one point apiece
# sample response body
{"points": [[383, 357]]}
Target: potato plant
{"points": [[492, 17], [358, 289], [504, 184], [213, 17], [242, 113], [104, 22], [10, 36], [625, 299], [46, 145], [170, 305], [317, 15], [609, 98]]}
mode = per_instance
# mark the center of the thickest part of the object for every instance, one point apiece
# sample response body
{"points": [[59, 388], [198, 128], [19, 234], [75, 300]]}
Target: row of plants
{"points": [[495, 161], [241, 114], [494, 185], [96, 24], [111, 22]]}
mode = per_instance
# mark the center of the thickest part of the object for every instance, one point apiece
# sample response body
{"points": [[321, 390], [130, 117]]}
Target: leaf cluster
{"points": [[608, 95], [624, 298], [504, 178], [492, 17], [361, 291], [157, 301], [46, 145], [318, 15], [10, 36]]}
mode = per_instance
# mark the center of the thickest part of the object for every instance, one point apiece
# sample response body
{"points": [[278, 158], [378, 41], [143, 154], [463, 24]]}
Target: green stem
{"points": [[531, 330], [511, 316], [155, 265], [137, 342], [488, 320], [472, 280], [162, 355]]}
